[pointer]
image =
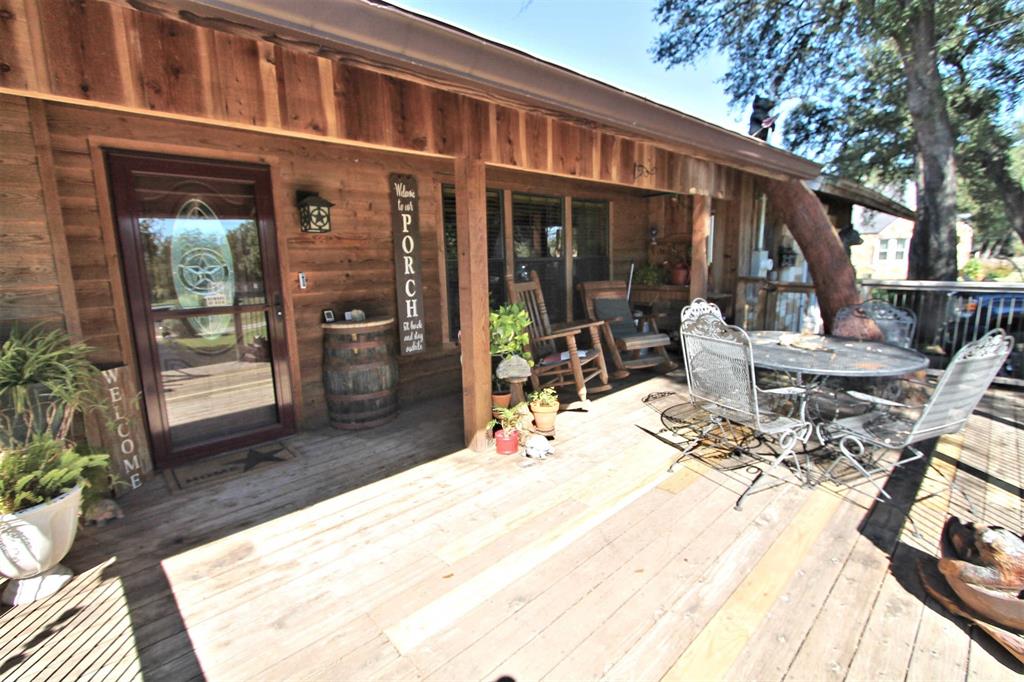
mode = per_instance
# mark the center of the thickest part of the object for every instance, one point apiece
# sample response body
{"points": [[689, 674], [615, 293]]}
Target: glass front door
{"points": [[203, 284]]}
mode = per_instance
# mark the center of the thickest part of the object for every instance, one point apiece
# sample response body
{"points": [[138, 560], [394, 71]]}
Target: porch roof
{"points": [[391, 36]]}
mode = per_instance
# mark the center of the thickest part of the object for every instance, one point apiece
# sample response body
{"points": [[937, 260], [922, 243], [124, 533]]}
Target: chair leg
{"points": [[595, 339], [667, 363], [620, 371], [752, 488], [577, 370]]}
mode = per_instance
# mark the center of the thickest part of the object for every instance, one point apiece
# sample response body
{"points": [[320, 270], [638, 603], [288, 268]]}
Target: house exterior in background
{"points": [[886, 248]]}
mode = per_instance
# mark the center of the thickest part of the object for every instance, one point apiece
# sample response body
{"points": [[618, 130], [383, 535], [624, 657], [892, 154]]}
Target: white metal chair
{"points": [[720, 374], [863, 440], [896, 324]]}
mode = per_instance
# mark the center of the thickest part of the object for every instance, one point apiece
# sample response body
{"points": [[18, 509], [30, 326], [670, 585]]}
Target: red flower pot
{"points": [[506, 443]]}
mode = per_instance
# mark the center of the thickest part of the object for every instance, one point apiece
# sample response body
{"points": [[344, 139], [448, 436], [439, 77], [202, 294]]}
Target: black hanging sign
{"points": [[405, 228]]}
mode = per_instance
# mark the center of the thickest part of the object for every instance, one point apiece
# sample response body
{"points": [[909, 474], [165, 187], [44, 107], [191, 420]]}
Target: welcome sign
{"points": [[405, 229]]}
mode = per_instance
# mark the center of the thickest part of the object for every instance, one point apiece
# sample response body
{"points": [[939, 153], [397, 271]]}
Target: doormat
{"points": [[227, 466]]}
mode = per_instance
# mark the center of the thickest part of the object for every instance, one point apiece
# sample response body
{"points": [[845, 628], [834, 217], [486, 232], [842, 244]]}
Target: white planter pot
{"points": [[32, 544]]}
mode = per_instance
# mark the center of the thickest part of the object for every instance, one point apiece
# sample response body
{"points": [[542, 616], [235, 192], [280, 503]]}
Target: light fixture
{"points": [[314, 212]]}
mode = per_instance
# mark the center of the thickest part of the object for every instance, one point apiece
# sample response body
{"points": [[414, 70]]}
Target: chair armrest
{"points": [[875, 400], [784, 390], [563, 334], [578, 327]]}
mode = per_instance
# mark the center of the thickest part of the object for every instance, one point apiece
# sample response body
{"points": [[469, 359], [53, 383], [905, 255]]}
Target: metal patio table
{"points": [[831, 356]]}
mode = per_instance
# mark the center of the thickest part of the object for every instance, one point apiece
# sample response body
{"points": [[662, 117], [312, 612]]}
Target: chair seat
{"points": [[770, 422], [559, 358], [641, 340], [880, 428]]}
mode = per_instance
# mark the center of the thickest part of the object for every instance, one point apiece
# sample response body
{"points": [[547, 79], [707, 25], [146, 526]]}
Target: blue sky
{"points": [[604, 39]]}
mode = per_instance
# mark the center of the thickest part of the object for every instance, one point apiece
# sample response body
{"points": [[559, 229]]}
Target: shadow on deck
{"points": [[395, 554]]}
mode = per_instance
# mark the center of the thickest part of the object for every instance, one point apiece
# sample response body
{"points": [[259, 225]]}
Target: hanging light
{"points": [[314, 212]]}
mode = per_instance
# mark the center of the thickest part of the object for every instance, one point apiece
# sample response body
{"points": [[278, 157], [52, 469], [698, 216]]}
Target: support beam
{"points": [[699, 246], [471, 233]]}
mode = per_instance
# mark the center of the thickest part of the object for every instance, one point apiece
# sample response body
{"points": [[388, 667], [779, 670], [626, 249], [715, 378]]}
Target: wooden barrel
{"points": [[360, 373]]}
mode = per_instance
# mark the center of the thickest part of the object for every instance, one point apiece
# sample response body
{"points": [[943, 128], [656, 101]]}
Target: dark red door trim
{"points": [[121, 165]]}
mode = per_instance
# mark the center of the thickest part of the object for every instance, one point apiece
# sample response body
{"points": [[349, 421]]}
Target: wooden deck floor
{"points": [[393, 554]]}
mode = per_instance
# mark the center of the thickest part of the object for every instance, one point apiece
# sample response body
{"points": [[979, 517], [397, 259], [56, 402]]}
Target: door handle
{"points": [[278, 307]]}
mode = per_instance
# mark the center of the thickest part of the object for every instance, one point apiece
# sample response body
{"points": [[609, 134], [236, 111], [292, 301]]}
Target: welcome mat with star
{"points": [[227, 466]]}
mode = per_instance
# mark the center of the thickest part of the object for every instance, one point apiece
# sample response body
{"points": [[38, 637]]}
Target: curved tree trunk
{"points": [[835, 282]]}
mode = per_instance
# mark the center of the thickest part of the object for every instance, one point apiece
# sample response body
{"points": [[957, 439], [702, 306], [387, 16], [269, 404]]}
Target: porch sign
{"points": [[119, 429], [405, 228]]}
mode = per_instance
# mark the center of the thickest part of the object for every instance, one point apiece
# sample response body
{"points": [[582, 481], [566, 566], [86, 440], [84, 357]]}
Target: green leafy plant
{"points": [[508, 418], [43, 468], [508, 331], [545, 397], [649, 275], [45, 378], [972, 270]]}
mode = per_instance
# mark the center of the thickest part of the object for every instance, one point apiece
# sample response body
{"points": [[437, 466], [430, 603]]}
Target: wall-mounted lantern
{"points": [[314, 212]]}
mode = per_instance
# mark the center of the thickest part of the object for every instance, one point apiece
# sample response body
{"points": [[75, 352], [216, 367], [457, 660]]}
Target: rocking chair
{"points": [[552, 366], [606, 302]]}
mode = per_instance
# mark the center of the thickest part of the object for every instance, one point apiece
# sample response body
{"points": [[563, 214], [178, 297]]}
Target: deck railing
{"points": [[950, 314]]}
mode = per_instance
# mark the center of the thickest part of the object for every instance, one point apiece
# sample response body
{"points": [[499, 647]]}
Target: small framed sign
{"points": [[328, 315]]}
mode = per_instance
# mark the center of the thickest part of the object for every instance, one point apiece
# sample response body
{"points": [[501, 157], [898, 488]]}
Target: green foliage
{"points": [[51, 360], [650, 275], [508, 418], [508, 331], [845, 67], [545, 397], [972, 270], [42, 469]]}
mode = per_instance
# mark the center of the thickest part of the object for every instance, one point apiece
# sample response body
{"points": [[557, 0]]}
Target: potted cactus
{"points": [[544, 406], [508, 419]]}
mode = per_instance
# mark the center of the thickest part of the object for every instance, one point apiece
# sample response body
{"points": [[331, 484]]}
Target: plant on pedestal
{"points": [[509, 339]]}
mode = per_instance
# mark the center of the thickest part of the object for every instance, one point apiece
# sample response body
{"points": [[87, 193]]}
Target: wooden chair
{"points": [[552, 366], [605, 301]]}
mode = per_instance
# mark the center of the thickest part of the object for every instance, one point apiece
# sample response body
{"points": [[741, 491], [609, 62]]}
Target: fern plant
{"points": [[43, 468], [45, 377]]}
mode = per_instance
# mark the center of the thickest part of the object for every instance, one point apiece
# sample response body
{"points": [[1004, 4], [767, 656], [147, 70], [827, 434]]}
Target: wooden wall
{"points": [[112, 55], [30, 275], [351, 267]]}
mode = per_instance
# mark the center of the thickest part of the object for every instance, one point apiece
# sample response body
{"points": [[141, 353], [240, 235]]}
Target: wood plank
{"points": [[725, 636], [54, 219], [169, 65]]}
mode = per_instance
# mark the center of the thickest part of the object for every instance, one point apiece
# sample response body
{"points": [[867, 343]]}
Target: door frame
{"points": [[132, 271]]}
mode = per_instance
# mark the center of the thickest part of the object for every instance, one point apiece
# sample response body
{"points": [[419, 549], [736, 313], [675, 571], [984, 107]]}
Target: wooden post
{"points": [[471, 233], [699, 244]]}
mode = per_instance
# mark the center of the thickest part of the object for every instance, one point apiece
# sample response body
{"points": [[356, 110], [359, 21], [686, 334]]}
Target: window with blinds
{"points": [[538, 237], [495, 254], [590, 235]]}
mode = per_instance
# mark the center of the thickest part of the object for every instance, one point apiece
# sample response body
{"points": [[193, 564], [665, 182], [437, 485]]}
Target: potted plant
{"points": [[45, 379], [509, 339], [41, 485], [544, 406], [506, 438]]}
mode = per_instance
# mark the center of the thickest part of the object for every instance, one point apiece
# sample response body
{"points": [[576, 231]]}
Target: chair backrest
{"points": [[962, 385], [896, 324], [531, 297], [605, 300], [719, 364]]}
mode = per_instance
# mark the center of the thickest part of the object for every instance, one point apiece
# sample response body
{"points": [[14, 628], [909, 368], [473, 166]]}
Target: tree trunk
{"points": [[1010, 190], [835, 282], [933, 246]]}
